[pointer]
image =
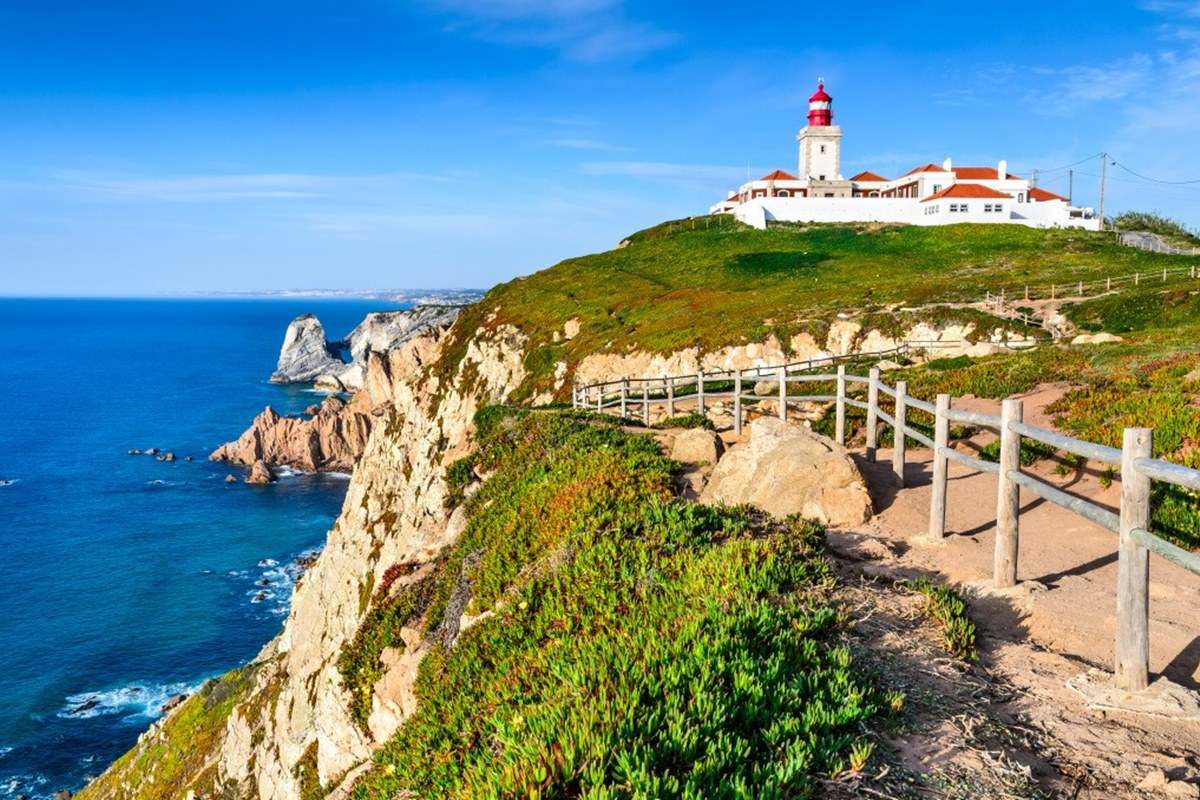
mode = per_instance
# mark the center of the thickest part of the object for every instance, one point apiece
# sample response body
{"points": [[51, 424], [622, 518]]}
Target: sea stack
{"points": [[305, 353]]}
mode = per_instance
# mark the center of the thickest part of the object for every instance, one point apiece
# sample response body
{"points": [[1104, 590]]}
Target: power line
{"points": [[1154, 180], [1068, 166]]}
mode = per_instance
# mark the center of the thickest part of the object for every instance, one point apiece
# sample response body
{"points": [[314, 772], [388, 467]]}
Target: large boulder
{"points": [[305, 353], [787, 469]]}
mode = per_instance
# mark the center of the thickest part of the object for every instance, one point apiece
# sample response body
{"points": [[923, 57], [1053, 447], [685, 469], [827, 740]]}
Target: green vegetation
{"points": [[1174, 231], [640, 646], [673, 286], [1136, 309], [948, 608], [183, 756], [691, 420], [1032, 451]]}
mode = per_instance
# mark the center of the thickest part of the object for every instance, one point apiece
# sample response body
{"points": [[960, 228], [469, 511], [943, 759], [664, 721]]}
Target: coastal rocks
{"points": [[787, 469], [332, 439], [260, 474], [231, 478], [308, 357], [305, 353]]}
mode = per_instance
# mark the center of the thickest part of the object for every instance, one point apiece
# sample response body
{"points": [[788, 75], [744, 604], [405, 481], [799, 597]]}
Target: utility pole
{"points": [[1103, 174], [1034, 182], [1071, 187]]}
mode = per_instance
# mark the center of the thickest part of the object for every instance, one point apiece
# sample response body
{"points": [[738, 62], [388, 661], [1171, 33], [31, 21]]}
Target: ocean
{"points": [[125, 580]]}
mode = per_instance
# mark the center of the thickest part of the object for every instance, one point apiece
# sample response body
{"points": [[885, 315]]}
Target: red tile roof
{"points": [[779, 175], [867, 175], [1040, 195], [926, 168], [972, 190], [978, 173]]}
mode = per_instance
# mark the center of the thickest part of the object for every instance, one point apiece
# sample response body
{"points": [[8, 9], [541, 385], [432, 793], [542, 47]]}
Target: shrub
{"points": [[1032, 451], [948, 608]]}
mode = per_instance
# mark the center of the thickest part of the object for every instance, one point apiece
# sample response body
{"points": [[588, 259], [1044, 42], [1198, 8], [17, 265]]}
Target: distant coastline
{"points": [[414, 296]]}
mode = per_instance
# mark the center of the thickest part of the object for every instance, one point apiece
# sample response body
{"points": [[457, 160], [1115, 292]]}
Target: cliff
{"points": [[307, 717]]}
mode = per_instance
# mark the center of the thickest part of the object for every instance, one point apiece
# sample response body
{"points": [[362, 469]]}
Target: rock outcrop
{"points": [[787, 469], [309, 357], [382, 331], [330, 440], [306, 353]]}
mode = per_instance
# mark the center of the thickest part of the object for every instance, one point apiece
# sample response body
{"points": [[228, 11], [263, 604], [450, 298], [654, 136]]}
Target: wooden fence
{"points": [[1137, 467]]}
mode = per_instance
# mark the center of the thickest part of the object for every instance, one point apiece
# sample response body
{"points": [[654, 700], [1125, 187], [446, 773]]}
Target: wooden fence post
{"points": [[783, 393], [737, 403], [898, 439], [872, 412], [624, 397], [1080, 292], [941, 440], [1137, 278], [1132, 669], [700, 393], [839, 430], [1008, 502], [1108, 284], [1164, 274], [646, 403], [670, 396], [600, 397]]}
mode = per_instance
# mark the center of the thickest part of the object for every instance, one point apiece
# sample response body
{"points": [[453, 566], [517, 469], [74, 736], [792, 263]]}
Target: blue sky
{"points": [[152, 147]]}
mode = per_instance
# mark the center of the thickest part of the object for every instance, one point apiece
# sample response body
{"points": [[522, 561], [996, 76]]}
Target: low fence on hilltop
{"points": [[1136, 464]]}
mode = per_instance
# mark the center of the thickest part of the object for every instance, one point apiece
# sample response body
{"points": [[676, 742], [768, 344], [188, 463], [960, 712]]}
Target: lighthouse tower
{"points": [[820, 140]]}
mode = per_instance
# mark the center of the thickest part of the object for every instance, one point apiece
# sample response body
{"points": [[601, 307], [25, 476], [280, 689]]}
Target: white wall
{"points": [[759, 212]]}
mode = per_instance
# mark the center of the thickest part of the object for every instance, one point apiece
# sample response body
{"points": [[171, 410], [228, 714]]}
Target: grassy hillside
{"points": [[642, 646], [723, 283]]}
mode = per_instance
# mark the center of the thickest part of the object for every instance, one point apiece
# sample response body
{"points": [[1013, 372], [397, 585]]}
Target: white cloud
{"points": [[580, 30], [226, 187]]}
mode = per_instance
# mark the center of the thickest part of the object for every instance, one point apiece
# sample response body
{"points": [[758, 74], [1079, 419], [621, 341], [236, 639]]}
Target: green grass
{"points": [[642, 646], [673, 287], [947, 607], [1136, 309]]}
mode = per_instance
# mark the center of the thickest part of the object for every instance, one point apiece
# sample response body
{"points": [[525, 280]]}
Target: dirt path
{"points": [[1058, 623]]}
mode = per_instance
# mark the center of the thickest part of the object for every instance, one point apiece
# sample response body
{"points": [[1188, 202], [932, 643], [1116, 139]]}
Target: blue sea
{"points": [[125, 580]]}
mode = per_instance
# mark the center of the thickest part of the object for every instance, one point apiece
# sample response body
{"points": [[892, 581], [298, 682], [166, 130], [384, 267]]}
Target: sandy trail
{"points": [[1067, 565]]}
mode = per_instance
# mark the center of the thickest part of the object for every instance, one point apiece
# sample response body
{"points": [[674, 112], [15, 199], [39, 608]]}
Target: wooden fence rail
{"points": [[1137, 468]]}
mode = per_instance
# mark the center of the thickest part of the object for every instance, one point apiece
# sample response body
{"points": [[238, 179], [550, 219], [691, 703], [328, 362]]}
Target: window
{"points": [[962, 207], [784, 193], [987, 208], [937, 187], [1020, 197], [821, 177], [822, 148]]}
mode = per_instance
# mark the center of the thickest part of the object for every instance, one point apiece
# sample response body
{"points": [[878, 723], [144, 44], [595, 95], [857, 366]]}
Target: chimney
{"points": [[947, 165], [1002, 170]]}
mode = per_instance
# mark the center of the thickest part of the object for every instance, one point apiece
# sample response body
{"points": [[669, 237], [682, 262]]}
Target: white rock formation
{"points": [[306, 353]]}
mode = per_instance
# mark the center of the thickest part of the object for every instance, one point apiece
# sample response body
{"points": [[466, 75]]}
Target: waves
{"points": [[135, 702], [8, 482]]}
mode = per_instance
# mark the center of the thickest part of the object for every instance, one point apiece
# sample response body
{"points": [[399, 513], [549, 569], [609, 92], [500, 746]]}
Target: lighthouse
{"points": [[821, 142]]}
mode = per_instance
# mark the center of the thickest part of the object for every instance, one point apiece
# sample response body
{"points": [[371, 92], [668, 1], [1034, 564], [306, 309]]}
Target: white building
{"points": [[925, 195]]}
